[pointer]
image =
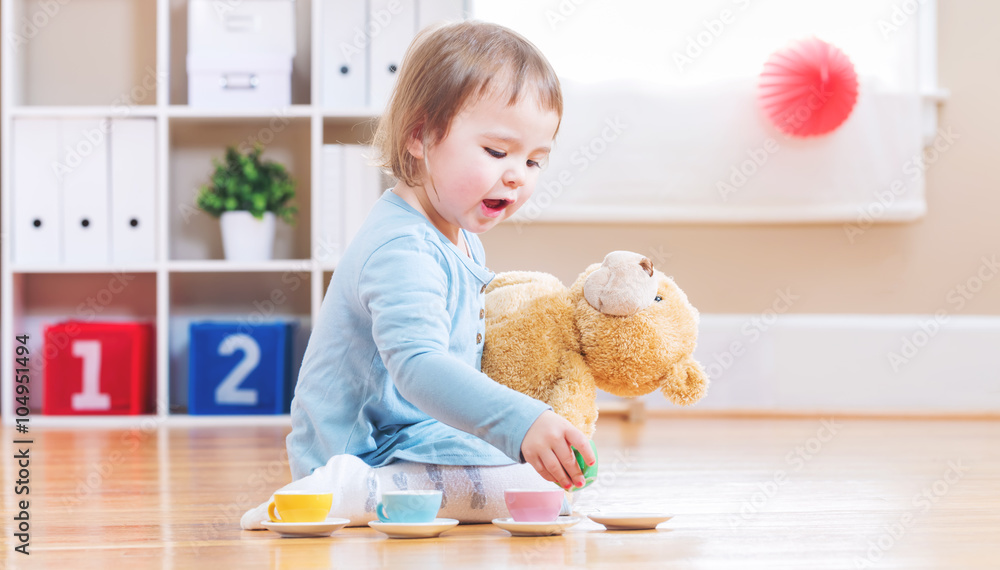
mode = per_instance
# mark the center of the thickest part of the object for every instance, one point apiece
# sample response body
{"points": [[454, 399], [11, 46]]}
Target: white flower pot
{"points": [[245, 238]]}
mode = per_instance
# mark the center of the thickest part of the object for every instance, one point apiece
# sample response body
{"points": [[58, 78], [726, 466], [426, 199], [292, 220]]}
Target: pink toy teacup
{"points": [[534, 505]]}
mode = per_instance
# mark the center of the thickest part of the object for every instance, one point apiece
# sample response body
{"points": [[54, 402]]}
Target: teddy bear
{"points": [[623, 327]]}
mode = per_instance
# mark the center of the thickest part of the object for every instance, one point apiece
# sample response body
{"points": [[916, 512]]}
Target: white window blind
{"points": [[661, 120]]}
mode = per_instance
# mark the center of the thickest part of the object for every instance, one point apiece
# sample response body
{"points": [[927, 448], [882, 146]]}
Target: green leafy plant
{"points": [[244, 182]]}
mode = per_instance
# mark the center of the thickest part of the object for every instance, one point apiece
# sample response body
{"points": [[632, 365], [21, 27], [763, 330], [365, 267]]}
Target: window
{"points": [[661, 121]]}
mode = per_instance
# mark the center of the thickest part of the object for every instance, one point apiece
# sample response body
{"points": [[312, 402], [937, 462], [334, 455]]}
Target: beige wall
{"points": [[66, 38], [891, 268]]}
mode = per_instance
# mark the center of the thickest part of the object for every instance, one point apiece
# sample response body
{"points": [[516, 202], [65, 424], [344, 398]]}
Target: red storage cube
{"points": [[97, 368]]}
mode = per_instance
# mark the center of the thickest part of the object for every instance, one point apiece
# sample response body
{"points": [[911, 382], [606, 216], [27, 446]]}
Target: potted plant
{"points": [[247, 194]]}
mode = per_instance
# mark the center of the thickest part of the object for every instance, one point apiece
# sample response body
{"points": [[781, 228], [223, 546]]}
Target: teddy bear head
{"points": [[637, 329]]}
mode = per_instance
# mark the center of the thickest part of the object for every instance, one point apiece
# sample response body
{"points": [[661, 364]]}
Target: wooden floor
{"points": [[747, 493]]}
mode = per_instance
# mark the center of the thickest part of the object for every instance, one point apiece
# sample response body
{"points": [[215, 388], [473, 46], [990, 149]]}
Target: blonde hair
{"points": [[443, 68]]}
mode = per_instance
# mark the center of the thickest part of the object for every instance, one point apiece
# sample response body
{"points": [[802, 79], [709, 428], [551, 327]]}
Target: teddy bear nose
{"points": [[622, 285]]}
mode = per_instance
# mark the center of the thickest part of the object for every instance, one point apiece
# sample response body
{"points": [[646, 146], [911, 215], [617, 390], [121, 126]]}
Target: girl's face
{"points": [[487, 165]]}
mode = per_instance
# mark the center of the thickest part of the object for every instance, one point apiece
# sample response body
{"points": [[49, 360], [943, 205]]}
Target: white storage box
{"points": [[247, 26], [238, 81]]}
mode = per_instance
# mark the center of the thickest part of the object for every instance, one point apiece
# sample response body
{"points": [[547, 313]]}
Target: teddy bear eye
{"points": [[658, 298]]}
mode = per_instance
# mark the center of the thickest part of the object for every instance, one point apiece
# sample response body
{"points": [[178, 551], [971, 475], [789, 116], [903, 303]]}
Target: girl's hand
{"points": [[546, 447]]}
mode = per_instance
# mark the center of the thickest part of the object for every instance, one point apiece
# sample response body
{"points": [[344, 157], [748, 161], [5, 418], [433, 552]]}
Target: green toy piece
{"points": [[589, 471]]}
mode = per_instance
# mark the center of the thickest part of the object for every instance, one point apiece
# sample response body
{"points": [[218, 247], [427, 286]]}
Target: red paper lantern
{"points": [[808, 88]]}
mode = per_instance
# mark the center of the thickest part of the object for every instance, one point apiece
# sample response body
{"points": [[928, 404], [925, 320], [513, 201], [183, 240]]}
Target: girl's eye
{"points": [[534, 164], [495, 153]]}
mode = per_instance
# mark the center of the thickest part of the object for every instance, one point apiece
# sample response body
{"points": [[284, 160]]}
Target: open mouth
{"points": [[495, 206]]}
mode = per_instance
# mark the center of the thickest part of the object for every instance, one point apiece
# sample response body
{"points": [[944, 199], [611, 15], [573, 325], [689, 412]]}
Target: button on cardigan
{"points": [[392, 367]]}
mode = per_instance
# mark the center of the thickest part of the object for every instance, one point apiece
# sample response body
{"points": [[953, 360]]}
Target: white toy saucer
{"points": [[629, 521], [414, 530], [536, 528], [305, 529]]}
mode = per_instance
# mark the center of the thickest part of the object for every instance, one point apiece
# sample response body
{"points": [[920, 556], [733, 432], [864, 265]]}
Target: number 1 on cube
{"points": [[91, 399]]}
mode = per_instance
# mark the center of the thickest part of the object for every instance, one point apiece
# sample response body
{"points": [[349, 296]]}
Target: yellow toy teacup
{"points": [[299, 507]]}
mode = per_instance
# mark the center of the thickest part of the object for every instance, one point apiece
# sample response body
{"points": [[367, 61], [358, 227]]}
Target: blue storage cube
{"points": [[237, 368]]}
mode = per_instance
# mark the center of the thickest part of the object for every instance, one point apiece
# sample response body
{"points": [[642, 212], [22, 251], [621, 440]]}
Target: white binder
{"points": [[361, 188], [437, 11], [395, 21], [36, 220], [83, 149], [345, 54], [330, 242], [133, 191]]}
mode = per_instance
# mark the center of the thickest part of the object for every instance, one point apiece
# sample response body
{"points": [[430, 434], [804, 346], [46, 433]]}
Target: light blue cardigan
{"points": [[392, 368]]}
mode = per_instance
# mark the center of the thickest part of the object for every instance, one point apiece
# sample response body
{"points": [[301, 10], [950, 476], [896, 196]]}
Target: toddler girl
{"points": [[390, 395]]}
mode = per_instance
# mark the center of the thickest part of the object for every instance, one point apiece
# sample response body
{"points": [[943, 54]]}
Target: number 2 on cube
{"points": [[229, 391]]}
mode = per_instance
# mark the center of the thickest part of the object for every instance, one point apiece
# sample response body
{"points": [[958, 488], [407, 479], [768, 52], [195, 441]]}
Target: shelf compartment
{"points": [[301, 62], [195, 235], [49, 298], [64, 55], [249, 298]]}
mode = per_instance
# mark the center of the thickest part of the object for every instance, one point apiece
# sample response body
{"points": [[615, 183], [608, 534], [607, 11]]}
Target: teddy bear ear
{"points": [[686, 383]]}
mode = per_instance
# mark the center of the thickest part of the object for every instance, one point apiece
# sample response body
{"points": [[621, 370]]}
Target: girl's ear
{"points": [[415, 145]]}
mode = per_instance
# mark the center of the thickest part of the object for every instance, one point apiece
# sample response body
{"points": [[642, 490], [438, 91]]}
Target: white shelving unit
{"points": [[131, 63]]}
